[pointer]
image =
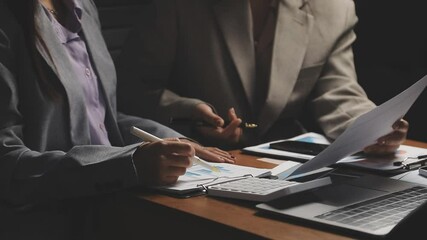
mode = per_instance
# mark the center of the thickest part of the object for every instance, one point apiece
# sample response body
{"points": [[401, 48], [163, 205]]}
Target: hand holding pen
{"points": [[162, 162], [151, 138], [218, 131]]}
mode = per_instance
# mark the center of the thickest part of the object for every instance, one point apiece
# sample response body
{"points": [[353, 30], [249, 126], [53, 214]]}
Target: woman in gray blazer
{"points": [[61, 136]]}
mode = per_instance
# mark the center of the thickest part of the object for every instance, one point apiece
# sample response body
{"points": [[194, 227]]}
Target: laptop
{"points": [[368, 205]]}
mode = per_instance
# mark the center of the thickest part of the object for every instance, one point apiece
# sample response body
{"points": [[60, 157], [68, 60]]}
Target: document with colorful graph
{"points": [[197, 178]]}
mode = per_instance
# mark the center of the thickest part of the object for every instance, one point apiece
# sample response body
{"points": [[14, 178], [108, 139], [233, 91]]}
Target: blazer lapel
{"points": [[290, 43], [57, 59], [236, 27], [104, 67]]}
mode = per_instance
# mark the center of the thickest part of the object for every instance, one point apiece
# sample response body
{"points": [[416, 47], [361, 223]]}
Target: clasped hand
{"points": [[229, 134]]}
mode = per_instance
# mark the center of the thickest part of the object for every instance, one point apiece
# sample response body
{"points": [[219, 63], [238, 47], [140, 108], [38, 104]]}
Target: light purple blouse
{"points": [[72, 38]]}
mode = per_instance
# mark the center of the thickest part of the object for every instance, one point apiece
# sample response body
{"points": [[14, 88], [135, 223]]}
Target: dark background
{"points": [[391, 53], [390, 50]]}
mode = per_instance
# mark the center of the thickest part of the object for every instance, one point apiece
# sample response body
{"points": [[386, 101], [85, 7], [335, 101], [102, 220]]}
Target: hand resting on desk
{"points": [[211, 154]]}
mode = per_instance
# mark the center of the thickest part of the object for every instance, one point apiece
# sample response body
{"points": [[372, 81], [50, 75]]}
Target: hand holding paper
{"points": [[367, 129], [390, 143]]}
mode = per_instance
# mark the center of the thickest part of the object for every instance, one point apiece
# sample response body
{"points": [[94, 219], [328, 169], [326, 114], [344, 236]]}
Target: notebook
{"points": [[353, 203]]}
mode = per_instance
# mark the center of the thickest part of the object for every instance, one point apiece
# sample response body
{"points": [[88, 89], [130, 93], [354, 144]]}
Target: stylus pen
{"points": [[199, 123], [151, 138]]}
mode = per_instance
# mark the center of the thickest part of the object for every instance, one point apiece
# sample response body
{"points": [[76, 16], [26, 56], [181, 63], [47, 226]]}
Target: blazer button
{"points": [[87, 72]]}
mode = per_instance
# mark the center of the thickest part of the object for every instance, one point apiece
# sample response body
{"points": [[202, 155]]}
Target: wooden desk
{"points": [[202, 217]]}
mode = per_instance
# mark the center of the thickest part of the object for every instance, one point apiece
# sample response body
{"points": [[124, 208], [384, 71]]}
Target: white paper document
{"points": [[405, 154], [197, 176], [380, 163], [366, 129], [284, 166]]}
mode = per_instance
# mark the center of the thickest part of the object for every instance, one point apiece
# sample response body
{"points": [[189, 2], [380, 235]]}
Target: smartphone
{"points": [[308, 148], [423, 171]]}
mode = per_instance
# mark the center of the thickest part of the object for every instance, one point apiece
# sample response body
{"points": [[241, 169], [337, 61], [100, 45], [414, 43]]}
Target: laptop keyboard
{"points": [[379, 212]]}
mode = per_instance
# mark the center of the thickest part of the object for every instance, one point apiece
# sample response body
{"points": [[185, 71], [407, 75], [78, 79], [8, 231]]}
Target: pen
{"points": [[151, 138], [199, 123]]}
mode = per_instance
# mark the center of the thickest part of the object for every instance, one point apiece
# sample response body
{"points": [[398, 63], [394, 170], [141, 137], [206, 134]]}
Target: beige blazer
{"points": [[185, 52]]}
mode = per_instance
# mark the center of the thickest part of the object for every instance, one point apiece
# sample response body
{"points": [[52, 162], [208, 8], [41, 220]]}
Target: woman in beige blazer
{"points": [[276, 63]]}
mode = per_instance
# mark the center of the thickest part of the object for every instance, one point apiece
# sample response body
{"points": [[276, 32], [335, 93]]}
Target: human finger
{"points": [[174, 160], [401, 125], [217, 151], [175, 171], [206, 113], [233, 129], [213, 157], [394, 138], [173, 147], [378, 149]]}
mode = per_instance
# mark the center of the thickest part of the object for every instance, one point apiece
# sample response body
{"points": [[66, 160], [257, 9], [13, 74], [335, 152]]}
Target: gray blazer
{"points": [[45, 151], [50, 175], [193, 51]]}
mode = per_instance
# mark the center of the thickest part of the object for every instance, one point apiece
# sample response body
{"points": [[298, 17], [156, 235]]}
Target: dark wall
{"points": [[391, 53], [117, 18]]}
